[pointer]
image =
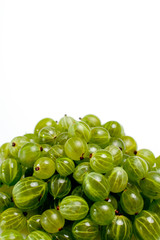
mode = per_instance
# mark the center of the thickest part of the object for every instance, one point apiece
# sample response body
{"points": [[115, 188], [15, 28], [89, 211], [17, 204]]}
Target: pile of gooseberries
{"points": [[78, 180]]}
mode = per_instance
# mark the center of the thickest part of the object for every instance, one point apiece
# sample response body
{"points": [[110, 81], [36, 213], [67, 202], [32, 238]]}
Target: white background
{"points": [[79, 57]]}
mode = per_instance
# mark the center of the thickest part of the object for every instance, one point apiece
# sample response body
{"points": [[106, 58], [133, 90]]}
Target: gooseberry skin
{"points": [[75, 148], [12, 218], [48, 135], [34, 223], [62, 138], [78, 191], [45, 150], [64, 234], [100, 136], [131, 202], [59, 186], [65, 122], [147, 155], [44, 168], [10, 171], [5, 201], [115, 129], [29, 153], [85, 230], [102, 161], [147, 226], [130, 145], [45, 122], [116, 153], [11, 235], [136, 168], [81, 170], [52, 221], [96, 186], [32, 137], [150, 185], [91, 120], [65, 166], [118, 180], [4, 152], [120, 228], [56, 151], [73, 208], [102, 213], [92, 147], [29, 193], [16, 144], [112, 200], [118, 142], [37, 235], [80, 129], [155, 206]]}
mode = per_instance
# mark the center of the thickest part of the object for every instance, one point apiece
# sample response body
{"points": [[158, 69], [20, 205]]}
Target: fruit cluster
{"points": [[79, 180]]}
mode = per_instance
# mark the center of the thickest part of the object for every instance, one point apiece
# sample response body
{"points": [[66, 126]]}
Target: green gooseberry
{"points": [[120, 228], [52, 221], [136, 168], [155, 206], [56, 151], [48, 135], [44, 168], [45, 122], [5, 201], [59, 186], [45, 150], [65, 122], [29, 193], [64, 234], [115, 129], [102, 161], [130, 145], [118, 142], [148, 156], [38, 235], [91, 120], [11, 235], [29, 153], [150, 185], [16, 144], [65, 166], [62, 138], [12, 218], [100, 136], [4, 152], [112, 200], [118, 180], [102, 213], [73, 208], [33, 138], [76, 148], [85, 229], [147, 225], [96, 186], [10, 171], [34, 223], [117, 154], [81, 170], [80, 129], [131, 201]]}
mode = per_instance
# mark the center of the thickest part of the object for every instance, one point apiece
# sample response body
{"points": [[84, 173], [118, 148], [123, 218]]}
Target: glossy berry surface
{"points": [[85, 229], [44, 168], [52, 221], [102, 213], [73, 208]]}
